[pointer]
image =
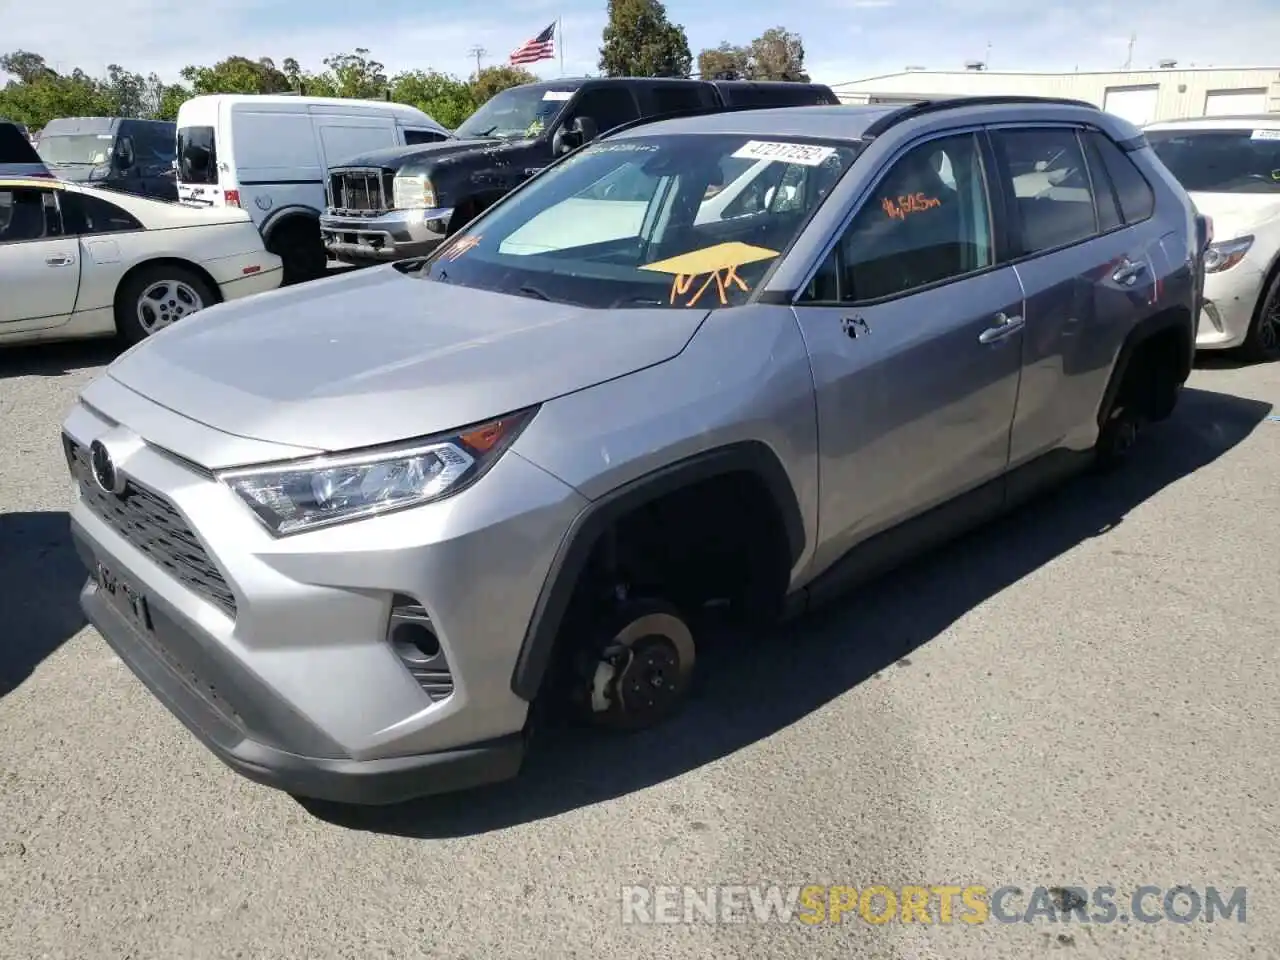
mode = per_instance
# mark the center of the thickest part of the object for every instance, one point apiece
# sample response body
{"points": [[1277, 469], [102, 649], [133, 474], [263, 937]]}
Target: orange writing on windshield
{"points": [[723, 280], [901, 207], [719, 264]]}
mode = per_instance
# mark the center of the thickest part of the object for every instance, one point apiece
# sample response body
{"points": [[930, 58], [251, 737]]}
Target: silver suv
{"points": [[351, 532]]}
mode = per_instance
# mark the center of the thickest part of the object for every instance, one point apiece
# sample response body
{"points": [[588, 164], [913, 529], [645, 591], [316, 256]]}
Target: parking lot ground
{"points": [[1083, 694]]}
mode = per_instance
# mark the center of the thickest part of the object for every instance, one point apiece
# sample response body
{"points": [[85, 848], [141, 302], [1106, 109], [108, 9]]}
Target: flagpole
{"points": [[560, 38]]}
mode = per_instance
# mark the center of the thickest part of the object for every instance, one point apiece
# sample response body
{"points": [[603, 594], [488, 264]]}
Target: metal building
{"points": [[1140, 96]]}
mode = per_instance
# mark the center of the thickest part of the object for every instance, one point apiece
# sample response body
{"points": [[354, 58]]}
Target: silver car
{"points": [[351, 532]]}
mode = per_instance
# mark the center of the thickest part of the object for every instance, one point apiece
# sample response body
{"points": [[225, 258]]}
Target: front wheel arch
{"points": [[580, 542]]}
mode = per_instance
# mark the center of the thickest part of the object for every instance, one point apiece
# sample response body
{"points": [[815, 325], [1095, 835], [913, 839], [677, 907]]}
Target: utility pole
{"points": [[477, 52], [1128, 63]]}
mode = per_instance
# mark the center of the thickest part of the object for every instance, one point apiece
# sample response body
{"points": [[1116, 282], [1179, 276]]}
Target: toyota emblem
{"points": [[104, 469]]}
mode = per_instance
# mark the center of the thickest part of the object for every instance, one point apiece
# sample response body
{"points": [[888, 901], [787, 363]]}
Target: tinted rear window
{"points": [[197, 155], [14, 147]]}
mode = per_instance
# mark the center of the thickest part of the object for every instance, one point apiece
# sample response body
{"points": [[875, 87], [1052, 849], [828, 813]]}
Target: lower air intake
{"points": [[412, 636]]}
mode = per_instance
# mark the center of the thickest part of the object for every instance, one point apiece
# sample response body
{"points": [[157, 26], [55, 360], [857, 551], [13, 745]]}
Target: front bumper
{"points": [[1230, 300], [276, 652], [395, 235]]}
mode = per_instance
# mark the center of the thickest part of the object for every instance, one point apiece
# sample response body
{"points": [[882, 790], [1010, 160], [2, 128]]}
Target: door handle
{"points": [[1128, 271], [62, 260], [1006, 326]]}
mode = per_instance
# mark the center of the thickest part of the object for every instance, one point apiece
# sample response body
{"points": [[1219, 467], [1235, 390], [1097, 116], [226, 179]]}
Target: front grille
{"points": [[152, 525], [360, 192]]}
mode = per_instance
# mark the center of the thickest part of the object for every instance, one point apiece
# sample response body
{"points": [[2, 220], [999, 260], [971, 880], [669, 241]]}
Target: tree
{"points": [[26, 66], [489, 81], [444, 97], [356, 75], [639, 41], [725, 62], [237, 75], [778, 54]]}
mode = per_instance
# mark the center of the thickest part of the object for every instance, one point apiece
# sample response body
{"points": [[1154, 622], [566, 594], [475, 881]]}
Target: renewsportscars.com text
{"points": [[969, 904]]}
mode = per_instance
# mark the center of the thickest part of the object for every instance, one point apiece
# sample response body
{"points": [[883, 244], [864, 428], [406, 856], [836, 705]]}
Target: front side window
{"points": [[927, 221], [628, 223], [412, 137], [609, 107], [1053, 201], [1221, 161], [515, 114], [27, 213], [197, 155]]}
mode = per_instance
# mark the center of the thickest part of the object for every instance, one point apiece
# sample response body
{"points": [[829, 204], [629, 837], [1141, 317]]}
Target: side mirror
{"points": [[562, 142], [586, 130], [124, 153]]}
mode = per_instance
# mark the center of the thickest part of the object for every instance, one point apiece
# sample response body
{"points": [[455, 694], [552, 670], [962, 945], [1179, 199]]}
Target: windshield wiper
{"points": [[533, 292]]}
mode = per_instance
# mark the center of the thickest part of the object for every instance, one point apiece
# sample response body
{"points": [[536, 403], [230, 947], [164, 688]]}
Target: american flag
{"points": [[541, 47]]}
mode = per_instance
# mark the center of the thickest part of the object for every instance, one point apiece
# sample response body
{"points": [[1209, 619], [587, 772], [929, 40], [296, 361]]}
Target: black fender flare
{"points": [[278, 218], [1143, 331], [574, 552]]}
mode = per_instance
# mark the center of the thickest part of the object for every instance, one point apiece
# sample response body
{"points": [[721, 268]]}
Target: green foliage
{"points": [[639, 41], [38, 94], [777, 54]]}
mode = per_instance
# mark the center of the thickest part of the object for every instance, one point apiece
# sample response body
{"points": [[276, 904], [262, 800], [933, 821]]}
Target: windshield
{"points": [[79, 149], [675, 221], [1221, 161], [515, 114]]}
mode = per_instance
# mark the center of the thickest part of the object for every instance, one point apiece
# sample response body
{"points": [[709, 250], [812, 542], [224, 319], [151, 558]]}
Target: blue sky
{"points": [[844, 39]]}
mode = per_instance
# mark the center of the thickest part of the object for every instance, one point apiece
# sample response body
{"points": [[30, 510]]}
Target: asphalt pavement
{"points": [[1083, 694]]}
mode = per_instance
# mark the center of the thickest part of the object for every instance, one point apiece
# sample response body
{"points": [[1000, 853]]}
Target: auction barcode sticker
{"points": [[802, 153], [1266, 135]]}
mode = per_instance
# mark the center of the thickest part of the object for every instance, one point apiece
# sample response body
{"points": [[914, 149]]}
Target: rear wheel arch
{"points": [[1170, 330], [130, 279], [754, 459]]}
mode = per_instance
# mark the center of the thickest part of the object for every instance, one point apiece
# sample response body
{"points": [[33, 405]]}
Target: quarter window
{"points": [[1137, 200], [927, 221], [28, 213], [99, 216], [1053, 204], [413, 137]]}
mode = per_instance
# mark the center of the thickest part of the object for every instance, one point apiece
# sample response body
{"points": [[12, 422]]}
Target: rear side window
{"points": [[672, 98], [412, 137], [93, 215], [197, 155], [609, 107], [1053, 202], [1137, 200]]}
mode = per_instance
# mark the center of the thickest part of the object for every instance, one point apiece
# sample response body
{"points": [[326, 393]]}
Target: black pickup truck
{"points": [[403, 201]]}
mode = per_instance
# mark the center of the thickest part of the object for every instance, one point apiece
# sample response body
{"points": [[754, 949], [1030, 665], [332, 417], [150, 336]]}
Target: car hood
{"points": [[1236, 214], [392, 158], [376, 356]]}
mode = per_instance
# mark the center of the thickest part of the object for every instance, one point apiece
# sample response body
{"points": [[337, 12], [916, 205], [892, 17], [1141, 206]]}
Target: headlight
{"points": [[1225, 255], [413, 193], [305, 494]]}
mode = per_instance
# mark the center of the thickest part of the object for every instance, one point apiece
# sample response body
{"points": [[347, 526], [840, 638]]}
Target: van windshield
{"points": [[76, 150], [515, 114], [1221, 161], [197, 155], [660, 221]]}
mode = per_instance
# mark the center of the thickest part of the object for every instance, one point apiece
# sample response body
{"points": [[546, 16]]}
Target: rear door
{"points": [[914, 332], [1088, 278], [39, 262]]}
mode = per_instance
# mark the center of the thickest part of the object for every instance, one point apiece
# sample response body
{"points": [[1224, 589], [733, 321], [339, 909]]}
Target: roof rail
{"points": [[911, 110]]}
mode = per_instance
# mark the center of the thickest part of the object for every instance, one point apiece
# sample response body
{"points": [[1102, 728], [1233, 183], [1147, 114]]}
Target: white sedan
{"points": [[76, 261]]}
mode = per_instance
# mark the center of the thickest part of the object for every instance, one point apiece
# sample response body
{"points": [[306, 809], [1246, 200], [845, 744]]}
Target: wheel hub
{"points": [[643, 674]]}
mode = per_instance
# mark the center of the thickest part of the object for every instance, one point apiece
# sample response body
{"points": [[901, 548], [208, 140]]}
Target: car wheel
{"points": [[1262, 345], [639, 669], [159, 296], [301, 251], [1117, 438]]}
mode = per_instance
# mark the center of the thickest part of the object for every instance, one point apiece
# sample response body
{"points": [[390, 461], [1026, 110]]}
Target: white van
{"points": [[269, 154]]}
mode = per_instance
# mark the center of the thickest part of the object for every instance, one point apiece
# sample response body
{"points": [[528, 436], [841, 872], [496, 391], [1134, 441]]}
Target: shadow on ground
{"points": [[56, 359], [751, 693], [40, 580]]}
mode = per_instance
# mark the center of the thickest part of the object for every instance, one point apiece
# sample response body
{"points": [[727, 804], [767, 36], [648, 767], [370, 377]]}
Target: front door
{"points": [[915, 339], [39, 264]]}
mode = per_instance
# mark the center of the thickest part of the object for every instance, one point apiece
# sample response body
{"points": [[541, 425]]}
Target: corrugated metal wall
{"points": [[1181, 93]]}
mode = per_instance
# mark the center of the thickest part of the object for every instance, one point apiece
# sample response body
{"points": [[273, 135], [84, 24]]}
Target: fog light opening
{"points": [[415, 642]]}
